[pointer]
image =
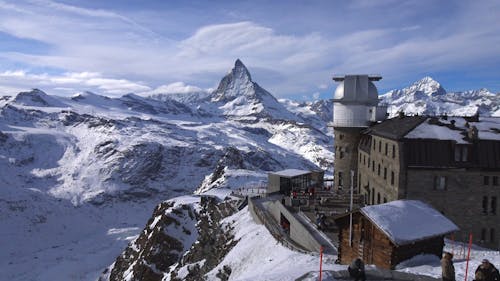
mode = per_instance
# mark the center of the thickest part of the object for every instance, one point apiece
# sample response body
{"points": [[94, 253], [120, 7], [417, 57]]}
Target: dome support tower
{"points": [[355, 107]]}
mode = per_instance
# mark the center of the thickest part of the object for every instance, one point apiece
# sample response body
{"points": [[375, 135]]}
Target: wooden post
{"points": [[468, 256], [320, 262]]}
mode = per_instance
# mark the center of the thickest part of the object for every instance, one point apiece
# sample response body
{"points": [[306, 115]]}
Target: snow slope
{"points": [[81, 175]]}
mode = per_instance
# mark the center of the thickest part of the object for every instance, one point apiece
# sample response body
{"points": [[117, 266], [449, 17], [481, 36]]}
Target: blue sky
{"points": [[292, 48]]}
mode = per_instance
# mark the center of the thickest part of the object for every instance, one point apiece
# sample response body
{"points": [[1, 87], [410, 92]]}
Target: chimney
{"points": [[472, 133]]}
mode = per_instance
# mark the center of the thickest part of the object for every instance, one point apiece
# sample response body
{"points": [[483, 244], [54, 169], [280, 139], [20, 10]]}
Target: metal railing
{"points": [[272, 226]]}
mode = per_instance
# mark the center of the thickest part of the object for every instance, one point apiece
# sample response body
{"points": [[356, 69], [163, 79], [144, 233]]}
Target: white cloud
{"points": [[120, 49], [14, 81], [176, 88]]}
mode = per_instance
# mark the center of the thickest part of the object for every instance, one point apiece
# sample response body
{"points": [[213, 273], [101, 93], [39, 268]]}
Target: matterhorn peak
{"points": [[240, 70], [237, 82]]}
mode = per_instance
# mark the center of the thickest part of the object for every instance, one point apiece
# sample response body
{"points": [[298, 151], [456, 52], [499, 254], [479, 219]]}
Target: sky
{"points": [[291, 48]]}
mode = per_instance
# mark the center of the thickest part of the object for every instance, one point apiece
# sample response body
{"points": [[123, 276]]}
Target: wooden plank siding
{"points": [[374, 247]]}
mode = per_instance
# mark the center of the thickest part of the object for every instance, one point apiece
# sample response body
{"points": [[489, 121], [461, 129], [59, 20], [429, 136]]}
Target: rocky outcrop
{"points": [[183, 241]]}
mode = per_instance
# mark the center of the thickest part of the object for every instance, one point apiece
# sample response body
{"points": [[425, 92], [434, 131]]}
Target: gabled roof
{"points": [[290, 173], [407, 221], [395, 128]]}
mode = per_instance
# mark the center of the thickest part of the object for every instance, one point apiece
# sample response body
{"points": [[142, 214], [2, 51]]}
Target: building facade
{"points": [[451, 163]]}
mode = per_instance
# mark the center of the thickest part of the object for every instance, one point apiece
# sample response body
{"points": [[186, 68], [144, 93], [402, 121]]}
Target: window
{"points": [[341, 136], [368, 162], [340, 179], [364, 159], [373, 144], [378, 197], [495, 180], [485, 205], [493, 204], [440, 183], [486, 180], [492, 235], [385, 200], [386, 148], [373, 196], [385, 173], [341, 154], [373, 166], [392, 177], [483, 234], [367, 198], [360, 159], [393, 151], [380, 146], [378, 170], [461, 153]]}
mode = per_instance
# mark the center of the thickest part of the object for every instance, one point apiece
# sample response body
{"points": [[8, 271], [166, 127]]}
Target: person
{"points": [[357, 270], [487, 272], [448, 270]]}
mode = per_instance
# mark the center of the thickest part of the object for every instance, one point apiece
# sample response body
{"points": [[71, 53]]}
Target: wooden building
{"points": [[390, 233]]}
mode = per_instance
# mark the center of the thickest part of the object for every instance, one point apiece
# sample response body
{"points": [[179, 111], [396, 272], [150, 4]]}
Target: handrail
{"points": [[270, 224]]}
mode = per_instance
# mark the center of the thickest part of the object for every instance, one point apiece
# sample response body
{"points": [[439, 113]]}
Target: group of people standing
{"points": [[484, 272]]}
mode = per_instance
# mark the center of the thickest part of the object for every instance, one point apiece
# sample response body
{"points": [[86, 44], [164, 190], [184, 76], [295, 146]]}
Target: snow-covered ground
{"points": [[80, 176], [258, 256], [43, 238]]}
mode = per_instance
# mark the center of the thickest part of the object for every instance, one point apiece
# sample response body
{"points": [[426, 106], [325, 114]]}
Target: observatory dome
{"points": [[356, 89]]}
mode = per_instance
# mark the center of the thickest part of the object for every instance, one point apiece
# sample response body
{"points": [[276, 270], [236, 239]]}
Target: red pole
{"points": [[320, 262], [468, 256]]}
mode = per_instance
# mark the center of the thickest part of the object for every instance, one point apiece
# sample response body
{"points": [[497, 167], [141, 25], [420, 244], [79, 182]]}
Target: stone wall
{"points": [[346, 153], [389, 162], [461, 200]]}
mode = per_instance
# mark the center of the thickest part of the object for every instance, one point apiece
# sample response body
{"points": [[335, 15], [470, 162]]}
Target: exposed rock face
{"points": [[183, 241], [157, 252]]}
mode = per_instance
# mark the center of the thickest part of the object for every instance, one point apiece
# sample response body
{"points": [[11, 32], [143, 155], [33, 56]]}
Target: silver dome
{"points": [[356, 89]]}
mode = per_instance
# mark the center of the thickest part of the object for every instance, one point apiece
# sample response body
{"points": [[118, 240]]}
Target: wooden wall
{"points": [[374, 247]]}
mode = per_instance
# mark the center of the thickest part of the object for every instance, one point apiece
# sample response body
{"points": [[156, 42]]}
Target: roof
{"points": [[290, 173], [395, 128], [449, 128], [454, 128], [406, 221]]}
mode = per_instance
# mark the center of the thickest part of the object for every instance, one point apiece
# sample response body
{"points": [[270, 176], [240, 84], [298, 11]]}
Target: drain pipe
{"points": [[350, 210]]}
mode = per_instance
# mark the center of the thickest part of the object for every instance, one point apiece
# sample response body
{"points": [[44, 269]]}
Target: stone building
{"points": [[452, 163]]}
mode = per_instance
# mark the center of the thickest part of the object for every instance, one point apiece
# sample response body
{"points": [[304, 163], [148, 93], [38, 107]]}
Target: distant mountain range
{"points": [[97, 164], [428, 97]]}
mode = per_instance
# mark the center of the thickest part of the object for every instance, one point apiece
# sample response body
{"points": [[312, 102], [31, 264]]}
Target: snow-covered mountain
{"points": [[80, 176], [99, 160], [428, 97]]}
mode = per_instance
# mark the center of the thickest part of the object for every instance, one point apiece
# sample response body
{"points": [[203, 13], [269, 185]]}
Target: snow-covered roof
{"points": [[488, 129], [290, 173], [406, 221]]}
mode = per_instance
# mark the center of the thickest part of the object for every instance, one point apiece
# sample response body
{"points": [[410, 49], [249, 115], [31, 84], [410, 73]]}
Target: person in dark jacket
{"points": [[487, 272], [357, 270], [448, 270]]}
